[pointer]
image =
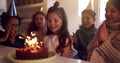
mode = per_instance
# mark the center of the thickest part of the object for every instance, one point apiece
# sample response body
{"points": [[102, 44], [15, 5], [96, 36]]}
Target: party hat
{"points": [[89, 5], [12, 9]]}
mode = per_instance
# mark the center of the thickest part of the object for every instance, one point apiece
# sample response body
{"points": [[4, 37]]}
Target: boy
{"points": [[85, 34]]}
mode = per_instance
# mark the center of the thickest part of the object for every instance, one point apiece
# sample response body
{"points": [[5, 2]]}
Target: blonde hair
{"points": [[89, 11]]}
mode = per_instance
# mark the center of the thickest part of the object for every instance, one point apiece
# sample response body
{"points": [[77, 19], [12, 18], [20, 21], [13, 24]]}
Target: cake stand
{"points": [[51, 56]]}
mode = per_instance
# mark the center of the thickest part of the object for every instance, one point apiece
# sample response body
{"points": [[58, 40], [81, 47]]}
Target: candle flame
{"points": [[32, 43], [33, 33]]}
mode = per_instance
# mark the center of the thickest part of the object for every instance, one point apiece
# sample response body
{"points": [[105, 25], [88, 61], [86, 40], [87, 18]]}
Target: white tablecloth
{"points": [[4, 50]]}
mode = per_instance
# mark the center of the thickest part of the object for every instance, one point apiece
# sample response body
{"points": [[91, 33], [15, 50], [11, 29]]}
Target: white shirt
{"points": [[52, 42]]}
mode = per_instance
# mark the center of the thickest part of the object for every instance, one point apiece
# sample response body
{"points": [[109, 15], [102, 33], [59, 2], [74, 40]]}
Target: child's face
{"points": [[12, 23], [112, 14], [87, 20], [40, 20], [54, 22]]}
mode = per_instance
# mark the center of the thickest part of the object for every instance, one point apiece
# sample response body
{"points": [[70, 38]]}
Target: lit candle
{"points": [[41, 43]]}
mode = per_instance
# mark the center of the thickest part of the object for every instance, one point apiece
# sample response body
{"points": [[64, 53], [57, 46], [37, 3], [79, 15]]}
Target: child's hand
{"points": [[8, 29], [102, 33], [12, 36], [7, 32], [74, 38]]}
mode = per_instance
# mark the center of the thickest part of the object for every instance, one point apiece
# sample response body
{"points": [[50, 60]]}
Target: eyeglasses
{"points": [[13, 25]]}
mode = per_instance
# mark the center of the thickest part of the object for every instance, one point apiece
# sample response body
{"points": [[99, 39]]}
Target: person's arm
{"points": [[74, 38], [77, 41], [66, 50], [5, 36], [92, 45]]}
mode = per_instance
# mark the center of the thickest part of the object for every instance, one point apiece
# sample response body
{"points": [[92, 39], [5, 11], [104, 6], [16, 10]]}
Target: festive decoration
{"points": [[12, 9]]}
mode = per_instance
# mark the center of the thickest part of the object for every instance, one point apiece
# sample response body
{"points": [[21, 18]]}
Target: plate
{"points": [[51, 56]]}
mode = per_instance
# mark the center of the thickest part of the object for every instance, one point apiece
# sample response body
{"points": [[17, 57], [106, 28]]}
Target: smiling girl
{"points": [[105, 47], [58, 39]]}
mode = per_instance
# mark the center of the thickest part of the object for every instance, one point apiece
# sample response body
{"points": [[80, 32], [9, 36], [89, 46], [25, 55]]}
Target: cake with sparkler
{"points": [[32, 50]]}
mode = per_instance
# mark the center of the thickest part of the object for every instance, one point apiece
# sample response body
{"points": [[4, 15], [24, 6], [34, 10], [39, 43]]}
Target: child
{"points": [[105, 47], [85, 34], [38, 25], [10, 36], [58, 39]]}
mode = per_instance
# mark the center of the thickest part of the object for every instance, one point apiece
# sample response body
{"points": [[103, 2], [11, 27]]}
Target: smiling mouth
{"points": [[52, 28]]}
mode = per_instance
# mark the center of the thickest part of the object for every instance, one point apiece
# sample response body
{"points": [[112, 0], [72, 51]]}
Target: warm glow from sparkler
{"points": [[32, 41]]}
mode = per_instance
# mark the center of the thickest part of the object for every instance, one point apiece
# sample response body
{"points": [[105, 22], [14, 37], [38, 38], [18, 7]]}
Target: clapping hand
{"points": [[102, 33], [74, 38]]}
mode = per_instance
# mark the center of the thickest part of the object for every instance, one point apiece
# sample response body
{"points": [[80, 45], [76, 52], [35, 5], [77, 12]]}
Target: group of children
{"points": [[98, 45], [50, 28]]}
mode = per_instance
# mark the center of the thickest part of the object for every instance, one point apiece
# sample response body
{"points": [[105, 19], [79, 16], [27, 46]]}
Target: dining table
{"points": [[5, 50]]}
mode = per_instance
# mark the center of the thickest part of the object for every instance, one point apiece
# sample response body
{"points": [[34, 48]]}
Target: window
{"points": [[102, 10]]}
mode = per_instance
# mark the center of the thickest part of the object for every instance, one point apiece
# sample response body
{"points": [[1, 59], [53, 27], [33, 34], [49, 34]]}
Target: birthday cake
{"points": [[28, 54], [32, 50]]}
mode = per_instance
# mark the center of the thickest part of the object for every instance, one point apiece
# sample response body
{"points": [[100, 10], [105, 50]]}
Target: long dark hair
{"points": [[5, 17], [33, 27], [116, 3], [63, 32]]}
